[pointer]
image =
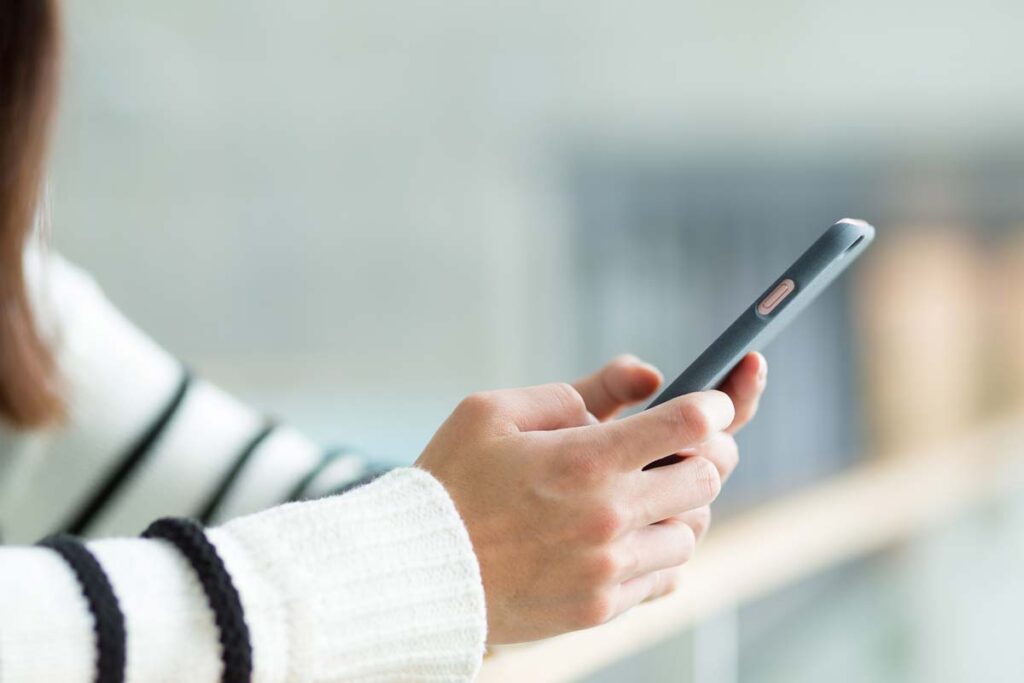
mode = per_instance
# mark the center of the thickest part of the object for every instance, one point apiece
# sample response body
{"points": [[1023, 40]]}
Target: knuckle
{"points": [[568, 396], [598, 609], [706, 479], [726, 442], [687, 544], [731, 447], [604, 568], [627, 564], [478, 403], [726, 453], [701, 522], [695, 419], [727, 405], [605, 524], [733, 453]]}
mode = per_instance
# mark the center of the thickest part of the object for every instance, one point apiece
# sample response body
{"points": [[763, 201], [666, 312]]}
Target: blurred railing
{"points": [[874, 506]]}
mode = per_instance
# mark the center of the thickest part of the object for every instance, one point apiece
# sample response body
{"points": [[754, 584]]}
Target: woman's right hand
{"points": [[568, 529]]}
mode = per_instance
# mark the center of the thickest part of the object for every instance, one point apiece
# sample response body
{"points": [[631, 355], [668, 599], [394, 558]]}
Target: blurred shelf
{"points": [[767, 548]]}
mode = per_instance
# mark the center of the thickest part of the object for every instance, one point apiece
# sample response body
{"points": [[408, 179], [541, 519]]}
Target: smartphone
{"points": [[823, 262]]}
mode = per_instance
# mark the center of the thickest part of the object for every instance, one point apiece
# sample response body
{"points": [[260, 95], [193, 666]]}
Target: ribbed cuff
{"points": [[380, 583]]}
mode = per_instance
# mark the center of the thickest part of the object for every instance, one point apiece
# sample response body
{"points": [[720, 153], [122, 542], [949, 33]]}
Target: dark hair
{"points": [[29, 40]]}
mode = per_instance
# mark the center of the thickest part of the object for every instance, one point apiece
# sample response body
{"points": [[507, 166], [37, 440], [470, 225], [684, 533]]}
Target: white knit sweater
{"points": [[377, 584]]}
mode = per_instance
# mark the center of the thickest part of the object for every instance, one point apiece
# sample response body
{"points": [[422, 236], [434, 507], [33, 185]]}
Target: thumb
{"points": [[623, 381]]}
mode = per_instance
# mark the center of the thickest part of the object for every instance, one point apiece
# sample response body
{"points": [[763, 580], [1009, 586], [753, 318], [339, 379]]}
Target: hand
{"points": [[568, 530], [627, 380]]}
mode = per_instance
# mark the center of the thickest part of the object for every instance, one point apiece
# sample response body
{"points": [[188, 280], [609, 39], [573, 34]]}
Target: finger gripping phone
{"points": [[802, 282]]}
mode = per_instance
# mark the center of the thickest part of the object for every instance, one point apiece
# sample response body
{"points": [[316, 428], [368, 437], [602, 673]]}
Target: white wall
{"points": [[339, 208]]}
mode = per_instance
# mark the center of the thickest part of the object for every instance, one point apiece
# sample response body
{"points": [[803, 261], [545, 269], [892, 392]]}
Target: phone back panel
{"points": [[812, 272]]}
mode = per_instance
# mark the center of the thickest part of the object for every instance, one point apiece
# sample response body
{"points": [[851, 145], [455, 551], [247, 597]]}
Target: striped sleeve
{"points": [[378, 584], [145, 438], [351, 588]]}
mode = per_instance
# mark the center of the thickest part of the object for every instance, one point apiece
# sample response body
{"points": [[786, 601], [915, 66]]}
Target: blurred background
{"points": [[354, 213]]}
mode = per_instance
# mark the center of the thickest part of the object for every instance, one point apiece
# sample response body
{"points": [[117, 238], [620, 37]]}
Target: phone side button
{"points": [[776, 297]]}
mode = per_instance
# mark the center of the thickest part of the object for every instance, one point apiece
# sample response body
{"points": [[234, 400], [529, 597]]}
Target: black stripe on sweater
{"points": [[107, 618], [299, 490], [370, 476], [208, 509], [236, 648], [131, 460]]}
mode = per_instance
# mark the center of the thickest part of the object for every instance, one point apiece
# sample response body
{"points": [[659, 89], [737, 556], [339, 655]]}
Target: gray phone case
{"points": [[822, 263]]}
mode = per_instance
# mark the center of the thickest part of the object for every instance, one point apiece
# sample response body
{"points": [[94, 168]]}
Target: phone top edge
{"points": [[834, 250], [827, 258], [854, 229], [860, 223]]}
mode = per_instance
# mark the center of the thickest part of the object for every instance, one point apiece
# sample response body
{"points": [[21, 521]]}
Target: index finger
{"points": [[683, 422]]}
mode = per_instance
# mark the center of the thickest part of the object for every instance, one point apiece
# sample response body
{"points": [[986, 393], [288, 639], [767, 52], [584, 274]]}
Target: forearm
{"points": [[142, 438]]}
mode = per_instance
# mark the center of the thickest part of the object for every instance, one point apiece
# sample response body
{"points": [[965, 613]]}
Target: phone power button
{"points": [[776, 297]]}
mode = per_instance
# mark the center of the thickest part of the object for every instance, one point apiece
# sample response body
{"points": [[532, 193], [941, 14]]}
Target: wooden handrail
{"points": [[851, 515]]}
